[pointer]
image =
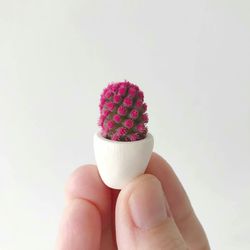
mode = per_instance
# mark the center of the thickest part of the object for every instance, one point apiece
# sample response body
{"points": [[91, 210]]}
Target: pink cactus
{"points": [[122, 112]]}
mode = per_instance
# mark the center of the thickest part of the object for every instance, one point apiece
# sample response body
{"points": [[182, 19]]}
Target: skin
{"points": [[97, 217]]}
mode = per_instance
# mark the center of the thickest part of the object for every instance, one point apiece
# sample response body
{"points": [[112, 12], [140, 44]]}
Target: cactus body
{"points": [[122, 112]]}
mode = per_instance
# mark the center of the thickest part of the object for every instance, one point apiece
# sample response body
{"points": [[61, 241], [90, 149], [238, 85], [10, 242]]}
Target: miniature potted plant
{"points": [[123, 146]]}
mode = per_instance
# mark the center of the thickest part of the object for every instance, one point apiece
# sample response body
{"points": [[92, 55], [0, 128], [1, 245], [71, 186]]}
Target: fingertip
{"points": [[139, 183], [135, 183], [142, 178], [143, 220], [85, 175]]}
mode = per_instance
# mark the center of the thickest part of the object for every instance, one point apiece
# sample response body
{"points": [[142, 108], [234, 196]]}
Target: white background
{"points": [[191, 58]]}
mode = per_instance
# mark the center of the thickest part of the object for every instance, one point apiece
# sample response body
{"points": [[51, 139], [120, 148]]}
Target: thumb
{"points": [[143, 218]]}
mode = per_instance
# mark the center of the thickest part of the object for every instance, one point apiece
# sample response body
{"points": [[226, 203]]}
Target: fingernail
{"points": [[148, 204]]}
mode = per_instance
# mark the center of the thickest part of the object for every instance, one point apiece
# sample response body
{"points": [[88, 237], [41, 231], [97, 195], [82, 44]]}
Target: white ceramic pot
{"points": [[119, 162]]}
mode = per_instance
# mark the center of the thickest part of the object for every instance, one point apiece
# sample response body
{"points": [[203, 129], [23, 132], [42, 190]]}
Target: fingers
{"points": [[179, 203], [143, 219], [86, 184], [86, 189], [81, 227]]}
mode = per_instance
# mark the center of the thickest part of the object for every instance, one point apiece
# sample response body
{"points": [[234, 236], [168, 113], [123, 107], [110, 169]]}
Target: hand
{"points": [[152, 212]]}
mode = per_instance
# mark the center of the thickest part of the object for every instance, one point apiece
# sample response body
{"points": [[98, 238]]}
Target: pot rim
{"points": [[148, 137]]}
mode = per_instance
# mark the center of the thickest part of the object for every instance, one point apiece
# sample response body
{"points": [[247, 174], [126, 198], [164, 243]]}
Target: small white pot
{"points": [[119, 162]]}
